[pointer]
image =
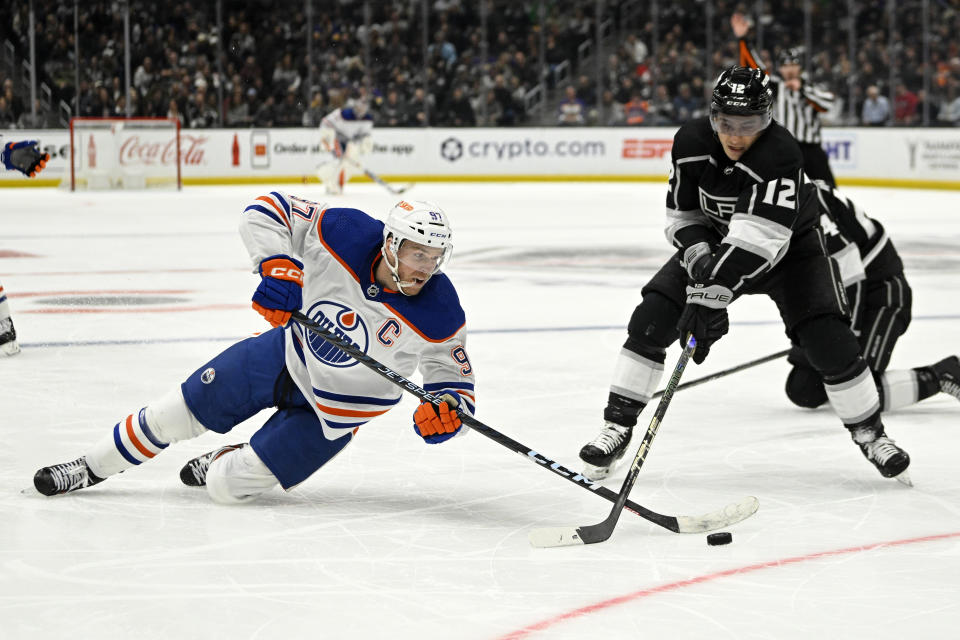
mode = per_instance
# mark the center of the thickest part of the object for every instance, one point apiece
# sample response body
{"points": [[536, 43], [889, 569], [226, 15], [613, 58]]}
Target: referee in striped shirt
{"points": [[797, 105]]}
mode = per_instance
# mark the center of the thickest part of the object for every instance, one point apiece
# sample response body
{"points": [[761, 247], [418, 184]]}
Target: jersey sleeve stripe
{"points": [[283, 216], [339, 397], [261, 209], [283, 201], [757, 235], [350, 413], [457, 386]]}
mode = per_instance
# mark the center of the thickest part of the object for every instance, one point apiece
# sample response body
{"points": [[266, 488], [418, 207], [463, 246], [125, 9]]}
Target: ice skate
{"points": [[194, 473], [8, 338], [889, 459], [948, 375], [601, 455], [65, 477]]}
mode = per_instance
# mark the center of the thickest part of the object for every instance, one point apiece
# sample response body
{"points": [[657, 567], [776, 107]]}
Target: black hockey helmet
{"points": [[741, 91], [793, 55]]}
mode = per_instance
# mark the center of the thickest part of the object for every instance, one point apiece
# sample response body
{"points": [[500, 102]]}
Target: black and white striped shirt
{"points": [[798, 111]]}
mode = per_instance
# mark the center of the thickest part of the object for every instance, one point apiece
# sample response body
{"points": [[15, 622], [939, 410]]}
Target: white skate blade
{"points": [[904, 478]]}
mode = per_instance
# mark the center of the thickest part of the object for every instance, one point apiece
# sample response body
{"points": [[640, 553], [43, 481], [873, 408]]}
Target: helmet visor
{"points": [[735, 125], [422, 258]]}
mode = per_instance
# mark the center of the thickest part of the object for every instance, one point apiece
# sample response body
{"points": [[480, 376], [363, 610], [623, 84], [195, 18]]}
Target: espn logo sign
{"points": [[634, 148]]}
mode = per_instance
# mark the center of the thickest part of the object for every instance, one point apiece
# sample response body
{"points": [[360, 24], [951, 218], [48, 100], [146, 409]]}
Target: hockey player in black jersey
{"points": [[745, 221], [880, 302]]}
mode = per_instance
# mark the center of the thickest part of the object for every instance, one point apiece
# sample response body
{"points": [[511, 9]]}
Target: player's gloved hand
{"points": [[436, 424], [280, 290], [705, 316], [24, 157], [696, 259]]}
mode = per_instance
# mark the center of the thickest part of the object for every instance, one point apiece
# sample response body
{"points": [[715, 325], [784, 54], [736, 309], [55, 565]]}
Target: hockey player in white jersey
{"points": [[377, 284], [23, 156], [345, 134]]}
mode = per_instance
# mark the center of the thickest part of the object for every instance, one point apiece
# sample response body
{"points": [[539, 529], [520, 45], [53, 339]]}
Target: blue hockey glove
{"points": [[705, 316], [438, 424], [280, 290], [24, 157]]}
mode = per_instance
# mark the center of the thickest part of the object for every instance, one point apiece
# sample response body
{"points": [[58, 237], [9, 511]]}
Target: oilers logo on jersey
{"points": [[345, 323]]}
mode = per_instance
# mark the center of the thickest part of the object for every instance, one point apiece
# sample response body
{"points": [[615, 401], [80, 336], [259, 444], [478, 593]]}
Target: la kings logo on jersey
{"points": [[721, 207], [345, 323]]}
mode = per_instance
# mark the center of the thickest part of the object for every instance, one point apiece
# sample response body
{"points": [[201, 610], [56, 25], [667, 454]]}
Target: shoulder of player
{"points": [[350, 115], [775, 154], [350, 235], [693, 139], [435, 313]]}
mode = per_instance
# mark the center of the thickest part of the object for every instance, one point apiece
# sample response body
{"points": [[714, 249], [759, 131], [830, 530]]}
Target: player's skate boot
{"points": [[948, 375], [601, 455], [8, 338], [889, 459], [194, 473], [65, 477]]}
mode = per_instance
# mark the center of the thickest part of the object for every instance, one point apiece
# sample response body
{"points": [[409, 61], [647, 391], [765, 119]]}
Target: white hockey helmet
{"points": [[421, 222]]}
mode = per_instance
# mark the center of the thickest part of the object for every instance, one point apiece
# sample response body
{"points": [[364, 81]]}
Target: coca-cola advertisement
{"points": [[153, 149]]}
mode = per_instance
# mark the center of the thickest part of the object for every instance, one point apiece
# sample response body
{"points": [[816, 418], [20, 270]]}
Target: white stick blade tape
{"points": [[554, 537]]}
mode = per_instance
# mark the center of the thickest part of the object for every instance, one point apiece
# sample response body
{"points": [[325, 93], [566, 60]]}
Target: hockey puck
{"points": [[723, 537]]}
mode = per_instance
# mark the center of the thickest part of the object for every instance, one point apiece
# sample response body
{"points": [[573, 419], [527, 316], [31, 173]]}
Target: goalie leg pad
{"points": [[238, 476]]}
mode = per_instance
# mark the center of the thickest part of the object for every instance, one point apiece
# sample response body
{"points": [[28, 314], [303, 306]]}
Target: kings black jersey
{"points": [[747, 210], [858, 243]]}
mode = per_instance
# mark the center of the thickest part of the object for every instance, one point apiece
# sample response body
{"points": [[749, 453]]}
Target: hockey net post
{"points": [[124, 153]]}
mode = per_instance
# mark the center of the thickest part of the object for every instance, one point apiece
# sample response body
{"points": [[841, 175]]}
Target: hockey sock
{"points": [[131, 441], [140, 437], [853, 394], [635, 380]]}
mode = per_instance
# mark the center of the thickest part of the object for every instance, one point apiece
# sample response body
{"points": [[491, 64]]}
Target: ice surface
{"points": [[121, 295]]}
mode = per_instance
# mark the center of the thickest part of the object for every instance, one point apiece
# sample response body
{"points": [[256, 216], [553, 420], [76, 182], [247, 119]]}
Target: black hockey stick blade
{"points": [[591, 534], [726, 372], [677, 524]]}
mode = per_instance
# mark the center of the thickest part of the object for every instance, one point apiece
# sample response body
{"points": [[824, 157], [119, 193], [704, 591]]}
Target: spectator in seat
{"points": [[635, 111], [238, 113], [314, 113], [686, 106], [571, 111], [905, 105], [392, 110], [876, 108]]}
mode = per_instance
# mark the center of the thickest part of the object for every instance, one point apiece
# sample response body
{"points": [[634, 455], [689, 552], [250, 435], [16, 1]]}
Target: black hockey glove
{"points": [[25, 157], [696, 259], [705, 316]]}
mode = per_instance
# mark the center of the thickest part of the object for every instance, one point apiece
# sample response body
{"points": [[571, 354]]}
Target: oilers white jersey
{"points": [[348, 125], [340, 249]]}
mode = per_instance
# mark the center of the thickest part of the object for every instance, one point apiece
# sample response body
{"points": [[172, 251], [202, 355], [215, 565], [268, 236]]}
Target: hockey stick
{"points": [[726, 372], [383, 183], [730, 514], [590, 534]]}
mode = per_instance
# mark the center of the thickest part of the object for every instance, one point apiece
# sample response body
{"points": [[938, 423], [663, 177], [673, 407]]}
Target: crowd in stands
{"points": [[253, 68]]}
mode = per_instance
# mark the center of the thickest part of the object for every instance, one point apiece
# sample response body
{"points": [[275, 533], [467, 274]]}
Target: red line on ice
{"points": [[709, 577]]}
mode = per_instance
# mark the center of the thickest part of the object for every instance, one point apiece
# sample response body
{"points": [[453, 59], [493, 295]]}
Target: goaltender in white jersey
{"points": [[345, 134], [376, 284]]}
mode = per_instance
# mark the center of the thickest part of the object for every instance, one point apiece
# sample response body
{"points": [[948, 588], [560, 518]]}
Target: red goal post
{"points": [[125, 153]]}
